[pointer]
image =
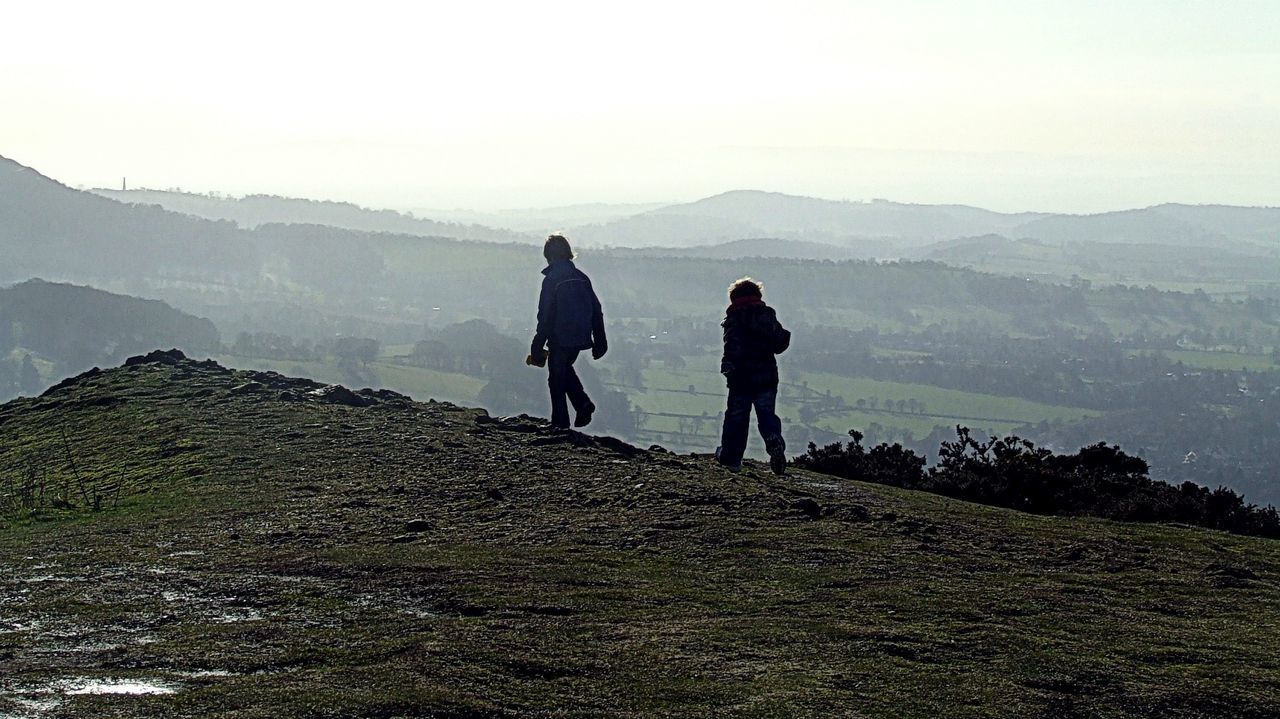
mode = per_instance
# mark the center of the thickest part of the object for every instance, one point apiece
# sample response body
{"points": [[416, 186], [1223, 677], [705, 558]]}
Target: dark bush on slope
{"points": [[1099, 480], [883, 464]]}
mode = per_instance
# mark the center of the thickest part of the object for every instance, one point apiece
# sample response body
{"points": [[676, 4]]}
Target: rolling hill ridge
{"points": [[885, 228]]}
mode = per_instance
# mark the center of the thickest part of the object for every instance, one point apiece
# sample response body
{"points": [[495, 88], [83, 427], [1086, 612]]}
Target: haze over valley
{"points": [[1155, 328]]}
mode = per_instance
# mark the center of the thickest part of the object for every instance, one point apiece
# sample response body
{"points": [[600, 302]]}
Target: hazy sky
{"points": [[1075, 106]]}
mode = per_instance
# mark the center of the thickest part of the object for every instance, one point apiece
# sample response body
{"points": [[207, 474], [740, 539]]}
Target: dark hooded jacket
{"points": [[752, 336], [569, 314]]}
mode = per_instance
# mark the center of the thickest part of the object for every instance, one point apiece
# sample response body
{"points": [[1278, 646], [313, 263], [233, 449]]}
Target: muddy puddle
{"points": [[36, 701], [128, 687]]}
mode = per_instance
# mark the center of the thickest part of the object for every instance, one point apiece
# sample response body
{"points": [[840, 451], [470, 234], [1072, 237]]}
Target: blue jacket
{"points": [[752, 336], [569, 314]]}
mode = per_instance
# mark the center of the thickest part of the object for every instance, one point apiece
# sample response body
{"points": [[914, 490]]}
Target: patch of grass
{"points": [[664, 394], [423, 384]]}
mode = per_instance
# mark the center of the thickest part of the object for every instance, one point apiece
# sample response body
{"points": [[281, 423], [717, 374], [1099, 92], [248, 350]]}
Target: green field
{"points": [[421, 383], [897, 353], [667, 391]]}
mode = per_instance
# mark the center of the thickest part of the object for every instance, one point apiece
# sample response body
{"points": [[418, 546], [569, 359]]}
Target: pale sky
{"points": [[1066, 106]]}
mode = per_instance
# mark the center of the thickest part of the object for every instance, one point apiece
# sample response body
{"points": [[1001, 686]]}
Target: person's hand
{"points": [[536, 358], [726, 367], [598, 349]]}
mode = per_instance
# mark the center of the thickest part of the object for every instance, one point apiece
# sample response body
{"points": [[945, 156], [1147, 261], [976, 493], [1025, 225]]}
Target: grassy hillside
{"points": [[275, 552]]}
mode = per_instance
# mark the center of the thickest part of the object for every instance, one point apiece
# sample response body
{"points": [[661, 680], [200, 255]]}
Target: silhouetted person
{"points": [[569, 320], [752, 336]]}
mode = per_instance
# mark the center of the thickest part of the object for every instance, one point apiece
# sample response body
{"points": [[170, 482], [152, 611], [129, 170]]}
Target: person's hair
{"points": [[557, 248], [746, 287]]}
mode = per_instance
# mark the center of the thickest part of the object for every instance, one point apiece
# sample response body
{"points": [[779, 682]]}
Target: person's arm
{"points": [[546, 317], [733, 348], [599, 343], [781, 337]]}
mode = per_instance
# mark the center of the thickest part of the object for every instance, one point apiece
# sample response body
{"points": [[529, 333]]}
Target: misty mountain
{"points": [[545, 220], [253, 210], [891, 229], [968, 249], [310, 284], [749, 248], [878, 218], [1234, 262], [878, 228], [50, 230], [1145, 226], [1253, 224], [316, 281], [869, 227], [662, 229], [311, 279]]}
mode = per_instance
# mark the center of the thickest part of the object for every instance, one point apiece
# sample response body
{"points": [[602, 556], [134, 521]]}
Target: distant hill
{"points": [[1128, 262], [663, 229], [50, 230], [319, 281], [878, 218], [70, 328], [971, 249], [1145, 226], [221, 271], [1253, 224], [268, 546], [254, 210], [868, 227], [741, 249], [541, 221], [883, 228]]}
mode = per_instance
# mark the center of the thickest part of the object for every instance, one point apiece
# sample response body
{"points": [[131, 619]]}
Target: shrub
{"points": [[1099, 480]]}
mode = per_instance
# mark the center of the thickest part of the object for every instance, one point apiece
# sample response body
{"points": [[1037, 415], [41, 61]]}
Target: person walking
{"points": [[570, 320], [752, 338]]}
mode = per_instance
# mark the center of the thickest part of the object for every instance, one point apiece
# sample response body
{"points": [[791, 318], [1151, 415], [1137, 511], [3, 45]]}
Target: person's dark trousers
{"points": [[737, 421], [564, 383]]}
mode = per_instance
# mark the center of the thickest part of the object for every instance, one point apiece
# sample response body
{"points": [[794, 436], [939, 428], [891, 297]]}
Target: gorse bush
{"points": [[1099, 480], [884, 464]]}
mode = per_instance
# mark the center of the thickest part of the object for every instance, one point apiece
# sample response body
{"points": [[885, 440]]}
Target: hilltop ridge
{"points": [[902, 229], [253, 211], [282, 548]]}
